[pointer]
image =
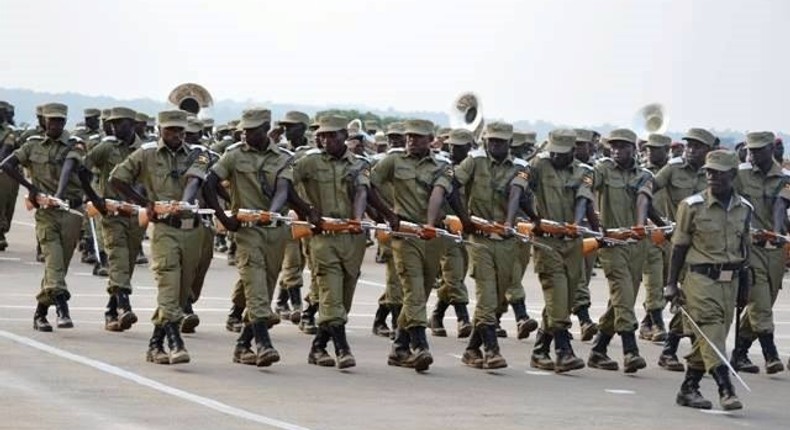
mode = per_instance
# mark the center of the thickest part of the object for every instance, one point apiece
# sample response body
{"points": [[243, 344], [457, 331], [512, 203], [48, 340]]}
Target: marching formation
{"points": [[702, 228]]}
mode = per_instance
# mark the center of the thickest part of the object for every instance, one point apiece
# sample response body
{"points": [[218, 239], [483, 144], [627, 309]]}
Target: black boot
{"points": [[178, 353], [540, 358], [101, 268], [395, 309], [380, 321], [125, 315], [318, 354], [727, 398], [462, 315], [772, 362], [632, 361], [307, 322], [62, 309], [524, 324], [598, 358], [281, 307], [191, 320], [500, 332], [234, 322], [295, 294], [39, 254], [400, 353], [111, 322], [659, 332], [421, 358], [473, 357], [342, 350], [740, 356], [669, 359], [493, 359], [40, 322], [566, 359], [646, 327], [689, 394], [588, 328], [141, 258], [265, 353], [243, 352], [437, 319], [156, 347]]}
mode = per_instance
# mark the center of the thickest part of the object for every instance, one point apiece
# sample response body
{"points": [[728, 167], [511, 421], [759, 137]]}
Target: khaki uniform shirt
{"points": [[44, 158], [762, 190], [716, 232], [660, 195], [556, 190], [412, 180], [253, 174], [7, 137], [221, 146], [330, 183], [680, 181], [489, 183], [104, 157], [618, 189]]}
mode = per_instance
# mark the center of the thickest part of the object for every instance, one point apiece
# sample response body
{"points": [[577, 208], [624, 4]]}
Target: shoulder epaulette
{"points": [[745, 166], [34, 137], [675, 160], [694, 199], [96, 137], [746, 202], [393, 150], [199, 147], [302, 148], [313, 151], [478, 153], [647, 171], [604, 160], [76, 138], [227, 138], [149, 145], [287, 151], [585, 166], [520, 162], [105, 138], [234, 146], [786, 172]]}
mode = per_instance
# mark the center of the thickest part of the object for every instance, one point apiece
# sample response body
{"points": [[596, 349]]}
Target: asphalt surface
{"points": [[87, 378]]}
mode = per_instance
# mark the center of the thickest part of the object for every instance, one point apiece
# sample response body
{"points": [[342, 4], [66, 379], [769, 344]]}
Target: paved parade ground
{"points": [[88, 378]]}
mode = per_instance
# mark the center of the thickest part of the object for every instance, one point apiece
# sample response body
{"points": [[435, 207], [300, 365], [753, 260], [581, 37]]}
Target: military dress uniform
{"points": [[9, 188], [175, 242]]}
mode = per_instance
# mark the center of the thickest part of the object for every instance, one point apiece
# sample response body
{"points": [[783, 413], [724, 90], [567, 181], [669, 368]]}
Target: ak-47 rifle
{"points": [[491, 227], [45, 201], [115, 207], [592, 243], [762, 235], [166, 208]]}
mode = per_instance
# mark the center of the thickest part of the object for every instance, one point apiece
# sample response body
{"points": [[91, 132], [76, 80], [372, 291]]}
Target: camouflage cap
{"points": [[91, 112], [172, 118], [397, 128], [141, 117], [371, 124], [498, 130], [622, 135], [759, 139], [254, 118], [121, 113], [460, 136], [421, 127], [330, 123], [721, 160], [55, 110], [700, 135], [656, 140], [105, 113], [295, 117], [561, 141], [584, 135], [39, 110], [194, 125]]}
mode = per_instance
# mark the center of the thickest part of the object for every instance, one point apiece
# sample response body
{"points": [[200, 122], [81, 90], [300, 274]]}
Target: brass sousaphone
{"points": [[650, 119], [192, 98], [466, 112]]}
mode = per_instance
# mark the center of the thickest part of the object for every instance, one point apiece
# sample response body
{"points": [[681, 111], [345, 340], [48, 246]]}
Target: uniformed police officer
{"points": [[53, 162], [712, 238], [169, 171]]}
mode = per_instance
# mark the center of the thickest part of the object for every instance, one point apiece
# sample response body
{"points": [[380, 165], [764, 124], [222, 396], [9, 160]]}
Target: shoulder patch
{"points": [[149, 145], [745, 166], [675, 160], [746, 202], [379, 156], [478, 153], [695, 199], [520, 162], [394, 150]]}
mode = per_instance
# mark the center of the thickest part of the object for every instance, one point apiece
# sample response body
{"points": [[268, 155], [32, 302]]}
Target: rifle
{"points": [[46, 201], [266, 217], [115, 207], [166, 208], [762, 235], [490, 227]]}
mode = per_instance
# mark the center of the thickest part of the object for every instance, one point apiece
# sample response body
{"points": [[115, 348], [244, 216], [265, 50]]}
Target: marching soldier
{"points": [[624, 191], [169, 171], [682, 178], [53, 162], [766, 187], [712, 239], [9, 188]]}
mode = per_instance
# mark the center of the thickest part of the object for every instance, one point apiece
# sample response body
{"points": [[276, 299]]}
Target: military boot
{"points": [[437, 319], [101, 268], [727, 398], [740, 356], [473, 357], [689, 394], [156, 347], [566, 359], [524, 324], [342, 350], [125, 315], [400, 353], [588, 328], [3, 242], [111, 322], [265, 353], [420, 358], [772, 362], [234, 322], [141, 258], [659, 334], [232, 253], [307, 322], [632, 361], [646, 328], [462, 315], [40, 322], [598, 358], [380, 321], [220, 244], [281, 307], [668, 358], [243, 352], [295, 294], [318, 354], [540, 358], [492, 358], [395, 309], [62, 309], [191, 320], [500, 332], [178, 353]]}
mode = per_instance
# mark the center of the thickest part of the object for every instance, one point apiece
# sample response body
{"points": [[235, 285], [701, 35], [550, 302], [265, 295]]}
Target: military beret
{"points": [[658, 140], [121, 113], [460, 136], [330, 123], [295, 117], [721, 160], [584, 135], [700, 135], [55, 110], [172, 118], [254, 118], [397, 128], [561, 141], [421, 127], [622, 135], [759, 139], [498, 130], [91, 112]]}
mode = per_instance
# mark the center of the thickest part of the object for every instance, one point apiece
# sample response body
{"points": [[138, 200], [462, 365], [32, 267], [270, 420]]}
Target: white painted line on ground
{"points": [[537, 372], [613, 391], [455, 356], [715, 412], [150, 383], [10, 259], [27, 224]]}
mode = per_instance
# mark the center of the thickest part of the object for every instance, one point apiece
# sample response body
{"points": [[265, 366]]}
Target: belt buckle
{"points": [[187, 224], [725, 275]]}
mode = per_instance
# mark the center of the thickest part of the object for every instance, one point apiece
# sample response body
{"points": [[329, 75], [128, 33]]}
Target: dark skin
{"points": [[192, 138], [779, 151], [418, 145], [396, 140], [334, 143], [124, 131], [92, 123], [106, 127], [623, 156], [695, 153], [657, 155], [677, 151], [294, 132], [498, 149], [521, 151], [763, 158], [583, 151], [139, 128], [459, 152], [42, 123], [740, 149]]}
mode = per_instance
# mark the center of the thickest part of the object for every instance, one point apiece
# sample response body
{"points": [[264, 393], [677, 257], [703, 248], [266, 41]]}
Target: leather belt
{"points": [[724, 272], [180, 223]]}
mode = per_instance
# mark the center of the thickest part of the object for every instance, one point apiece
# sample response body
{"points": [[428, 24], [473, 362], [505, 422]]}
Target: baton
{"points": [[95, 241]]}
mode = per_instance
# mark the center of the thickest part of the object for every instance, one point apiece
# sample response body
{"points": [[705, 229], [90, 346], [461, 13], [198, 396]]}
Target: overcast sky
{"points": [[713, 63]]}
